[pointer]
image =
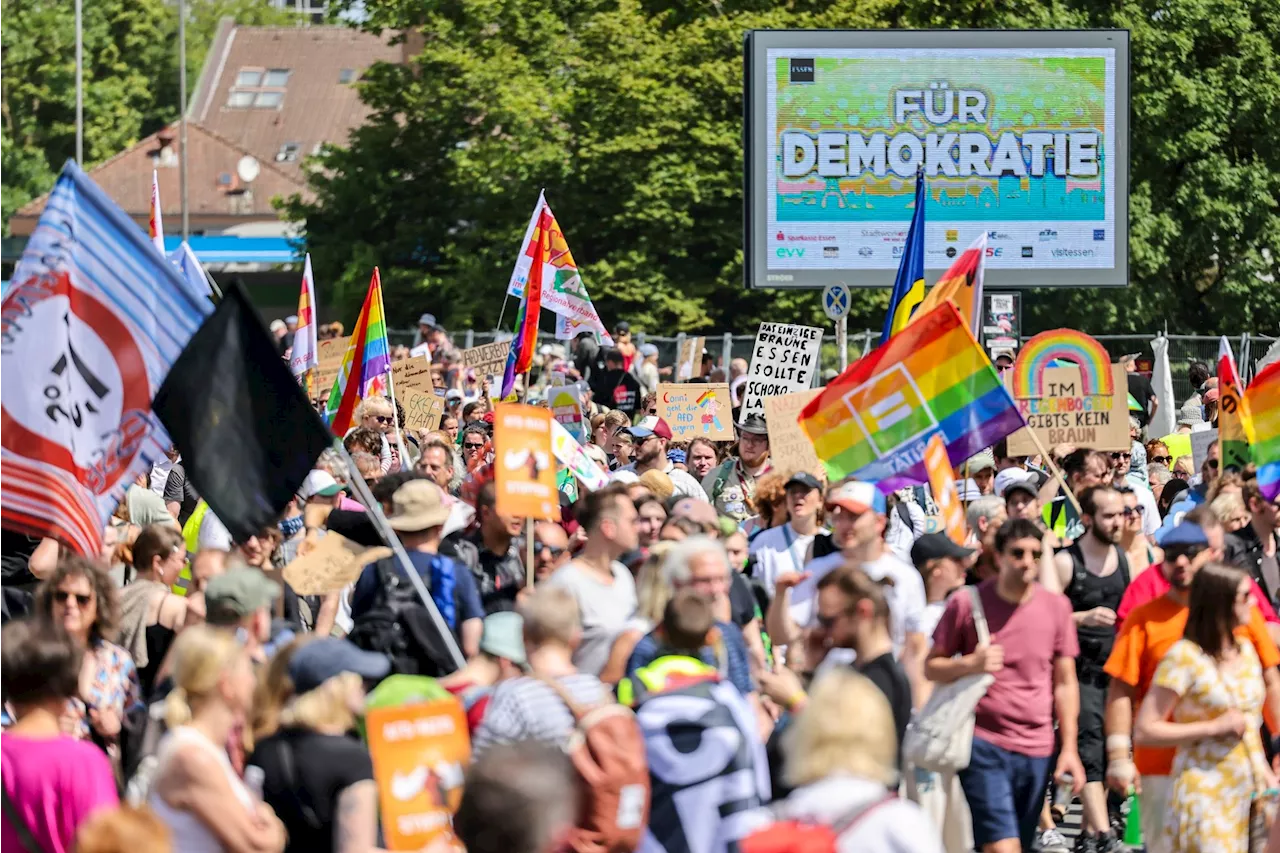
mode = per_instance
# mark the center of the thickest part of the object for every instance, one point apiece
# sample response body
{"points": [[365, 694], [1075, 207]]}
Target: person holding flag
{"points": [[908, 287]]}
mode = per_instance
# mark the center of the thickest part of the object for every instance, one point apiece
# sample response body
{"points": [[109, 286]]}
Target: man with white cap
{"points": [[1020, 493], [650, 438]]}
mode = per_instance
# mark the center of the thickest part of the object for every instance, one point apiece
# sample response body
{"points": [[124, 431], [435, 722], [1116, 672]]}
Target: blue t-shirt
{"points": [[466, 594], [736, 664]]}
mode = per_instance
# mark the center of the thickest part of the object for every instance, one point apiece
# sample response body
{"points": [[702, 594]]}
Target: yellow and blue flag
{"points": [[908, 287]]}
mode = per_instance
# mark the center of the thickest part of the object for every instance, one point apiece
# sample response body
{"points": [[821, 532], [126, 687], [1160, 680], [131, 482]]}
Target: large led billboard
{"points": [[1023, 135]]}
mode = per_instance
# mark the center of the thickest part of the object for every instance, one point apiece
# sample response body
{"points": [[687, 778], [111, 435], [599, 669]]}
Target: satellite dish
{"points": [[247, 169]]}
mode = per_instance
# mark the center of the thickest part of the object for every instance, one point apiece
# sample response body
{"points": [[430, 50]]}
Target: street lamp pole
{"points": [[182, 97], [79, 86]]}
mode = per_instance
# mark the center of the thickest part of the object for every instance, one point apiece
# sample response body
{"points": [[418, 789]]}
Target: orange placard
{"points": [[420, 754], [942, 482], [524, 469]]}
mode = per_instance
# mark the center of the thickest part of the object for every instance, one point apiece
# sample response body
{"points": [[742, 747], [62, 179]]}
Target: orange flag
{"points": [[962, 284], [943, 484]]}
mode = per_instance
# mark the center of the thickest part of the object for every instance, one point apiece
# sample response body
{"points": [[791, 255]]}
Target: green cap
{"points": [[238, 593]]}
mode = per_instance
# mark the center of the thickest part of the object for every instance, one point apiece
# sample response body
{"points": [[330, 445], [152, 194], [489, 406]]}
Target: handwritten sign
{"points": [[332, 349], [486, 360], [696, 411], [1200, 442], [420, 754], [524, 474], [565, 402], [571, 455], [784, 361], [327, 563], [412, 373], [1064, 414], [689, 359], [421, 409], [789, 448]]}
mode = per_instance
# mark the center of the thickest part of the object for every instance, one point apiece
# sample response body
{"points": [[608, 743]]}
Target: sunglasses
{"points": [[1161, 460], [471, 445], [1121, 455], [63, 597], [1131, 511], [539, 547], [383, 419], [1173, 552], [1020, 553]]}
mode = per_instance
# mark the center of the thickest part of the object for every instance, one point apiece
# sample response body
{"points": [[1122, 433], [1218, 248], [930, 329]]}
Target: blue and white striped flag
{"points": [[191, 270], [92, 321]]}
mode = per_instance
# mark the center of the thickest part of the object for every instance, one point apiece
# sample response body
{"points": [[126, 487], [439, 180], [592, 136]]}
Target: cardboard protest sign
{"points": [[524, 474], [784, 361], [942, 482], [1068, 414], [420, 754], [689, 359], [789, 448], [571, 455], [1200, 442], [696, 411], [487, 359], [332, 349], [413, 373], [327, 563], [422, 410], [565, 402]]}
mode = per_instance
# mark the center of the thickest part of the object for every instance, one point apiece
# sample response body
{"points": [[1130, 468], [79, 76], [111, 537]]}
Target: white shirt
{"points": [[776, 551], [160, 474], [905, 597], [686, 485], [899, 537]]}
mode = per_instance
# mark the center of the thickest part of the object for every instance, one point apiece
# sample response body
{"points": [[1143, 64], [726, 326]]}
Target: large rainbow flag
{"points": [[875, 420], [1233, 411], [1263, 428], [365, 365], [520, 356]]}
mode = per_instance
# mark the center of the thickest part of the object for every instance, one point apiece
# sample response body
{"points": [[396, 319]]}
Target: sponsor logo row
{"points": [[830, 252]]}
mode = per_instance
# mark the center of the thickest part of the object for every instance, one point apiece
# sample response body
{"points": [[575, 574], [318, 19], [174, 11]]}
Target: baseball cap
{"points": [[676, 456], [453, 394], [622, 326], [856, 496], [1002, 351], [1186, 533], [503, 637], [648, 350], [417, 505], [318, 483], [240, 592], [1014, 479], [979, 461], [428, 320], [651, 425], [934, 546], [803, 478], [317, 661], [292, 318], [754, 424]]}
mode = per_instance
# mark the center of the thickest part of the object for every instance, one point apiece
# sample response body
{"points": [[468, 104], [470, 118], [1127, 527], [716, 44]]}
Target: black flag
{"points": [[245, 430]]}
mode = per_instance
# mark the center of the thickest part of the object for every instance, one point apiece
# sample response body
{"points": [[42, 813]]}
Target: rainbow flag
{"points": [[1263, 428], [155, 226], [365, 365], [875, 420], [1233, 412], [520, 357], [305, 353], [962, 284]]}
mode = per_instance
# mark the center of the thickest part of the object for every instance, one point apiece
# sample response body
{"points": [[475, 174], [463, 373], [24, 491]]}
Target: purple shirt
{"points": [[55, 784], [1017, 712]]}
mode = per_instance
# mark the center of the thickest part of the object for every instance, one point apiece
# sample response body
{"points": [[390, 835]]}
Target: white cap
{"points": [[318, 483], [627, 477], [1014, 477], [213, 535]]}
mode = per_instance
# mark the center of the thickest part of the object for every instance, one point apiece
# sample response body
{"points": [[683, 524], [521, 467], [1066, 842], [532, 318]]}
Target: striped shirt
{"points": [[526, 709]]}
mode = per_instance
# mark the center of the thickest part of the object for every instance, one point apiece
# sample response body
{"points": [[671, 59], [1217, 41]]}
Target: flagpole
{"points": [[79, 84], [182, 116]]}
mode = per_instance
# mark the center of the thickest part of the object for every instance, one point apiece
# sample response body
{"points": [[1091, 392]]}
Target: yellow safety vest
{"points": [[190, 535], [656, 677]]}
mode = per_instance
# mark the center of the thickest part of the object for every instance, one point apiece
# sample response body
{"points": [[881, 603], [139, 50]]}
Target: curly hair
{"points": [[770, 489], [104, 594], [363, 439]]}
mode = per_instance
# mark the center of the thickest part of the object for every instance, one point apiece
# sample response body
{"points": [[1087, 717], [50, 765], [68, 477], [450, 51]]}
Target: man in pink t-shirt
{"points": [[1031, 653]]}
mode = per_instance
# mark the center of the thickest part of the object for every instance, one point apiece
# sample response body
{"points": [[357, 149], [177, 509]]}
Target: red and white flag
{"points": [[155, 227], [305, 352]]}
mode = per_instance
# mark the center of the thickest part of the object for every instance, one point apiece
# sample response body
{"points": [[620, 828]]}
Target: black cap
{"points": [[622, 326], [803, 478], [754, 424], [933, 546]]}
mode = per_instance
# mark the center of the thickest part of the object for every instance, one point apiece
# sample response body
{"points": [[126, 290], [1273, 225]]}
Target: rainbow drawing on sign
{"points": [[1069, 345], [707, 400]]}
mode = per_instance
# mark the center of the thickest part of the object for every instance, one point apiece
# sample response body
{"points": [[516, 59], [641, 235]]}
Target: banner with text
{"points": [[524, 473], [696, 411], [689, 359], [1066, 414], [784, 361], [790, 450]]}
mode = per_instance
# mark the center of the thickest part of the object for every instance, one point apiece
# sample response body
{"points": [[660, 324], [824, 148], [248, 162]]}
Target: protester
{"points": [[650, 517], [782, 549], [1031, 654], [490, 552], [731, 485], [526, 708], [316, 778], [702, 456], [550, 550], [522, 797], [840, 756], [602, 586], [1206, 700], [650, 438], [151, 615], [501, 658], [1140, 389], [376, 413], [195, 791], [436, 464], [1229, 508], [1253, 547], [52, 782]]}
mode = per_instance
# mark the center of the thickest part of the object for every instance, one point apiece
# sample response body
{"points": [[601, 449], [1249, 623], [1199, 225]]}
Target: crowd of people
{"points": [[774, 634]]}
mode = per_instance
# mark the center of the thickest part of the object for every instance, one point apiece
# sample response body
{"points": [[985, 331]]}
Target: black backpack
{"points": [[399, 626]]}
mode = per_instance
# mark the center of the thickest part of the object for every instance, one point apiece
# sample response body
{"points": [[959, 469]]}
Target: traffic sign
{"points": [[836, 300]]}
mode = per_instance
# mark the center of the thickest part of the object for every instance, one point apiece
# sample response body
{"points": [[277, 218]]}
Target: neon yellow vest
{"points": [[655, 677]]}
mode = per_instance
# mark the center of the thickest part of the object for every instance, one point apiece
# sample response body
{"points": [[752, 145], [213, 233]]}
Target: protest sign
{"points": [[486, 360], [565, 402], [689, 359], [696, 411], [422, 410], [784, 361], [1068, 414], [1200, 442], [329, 563], [571, 455], [789, 448], [420, 753], [413, 373], [332, 349], [942, 482], [524, 474]]}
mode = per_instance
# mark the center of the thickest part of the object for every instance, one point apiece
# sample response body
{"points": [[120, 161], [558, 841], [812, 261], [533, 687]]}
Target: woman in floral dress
{"points": [[1206, 699]]}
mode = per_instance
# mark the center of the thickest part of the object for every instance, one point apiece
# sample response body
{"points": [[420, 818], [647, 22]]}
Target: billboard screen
{"points": [[1023, 135]]}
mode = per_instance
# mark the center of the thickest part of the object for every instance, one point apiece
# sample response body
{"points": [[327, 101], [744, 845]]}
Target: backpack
{"points": [[607, 749], [798, 836], [399, 626]]}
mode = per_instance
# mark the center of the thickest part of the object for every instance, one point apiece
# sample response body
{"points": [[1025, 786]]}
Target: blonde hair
{"points": [[652, 590], [200, 656], [123, 830], [1228, 506], [550, 616], [326, 706], [274, 689], [373, 401], [658, 483], [846, 728]]}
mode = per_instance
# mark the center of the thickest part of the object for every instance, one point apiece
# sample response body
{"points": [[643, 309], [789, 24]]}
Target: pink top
{"points": [[349, 504], [1017, 712], [1151, 584], [55, 784]]}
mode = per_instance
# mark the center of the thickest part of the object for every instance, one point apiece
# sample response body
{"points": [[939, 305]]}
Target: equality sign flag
{"points": [[1263, 399], [1233, 412], [875, 419], [563, 292], [93, 319]]}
